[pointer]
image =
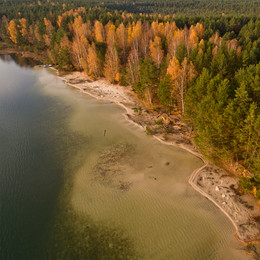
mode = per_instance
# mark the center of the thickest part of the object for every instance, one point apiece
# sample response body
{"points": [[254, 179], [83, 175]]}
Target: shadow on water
{"points": [[79, 237], [38, 155], [75, 235]]}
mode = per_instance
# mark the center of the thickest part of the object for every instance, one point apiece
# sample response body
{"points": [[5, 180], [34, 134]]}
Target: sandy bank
{"points": [[222, 189], [212, 182]]}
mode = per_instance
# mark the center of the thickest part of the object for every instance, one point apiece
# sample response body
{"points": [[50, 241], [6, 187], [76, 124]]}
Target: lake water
{"points": [[77, 181]]}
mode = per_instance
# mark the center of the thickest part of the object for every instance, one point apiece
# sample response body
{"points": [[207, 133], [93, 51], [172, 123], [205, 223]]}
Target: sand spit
{"points": [[212, 182], [222, 189]]}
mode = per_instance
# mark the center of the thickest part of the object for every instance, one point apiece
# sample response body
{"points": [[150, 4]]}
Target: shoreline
{"points": [[5, 50], [209, 180], [243, 213]]}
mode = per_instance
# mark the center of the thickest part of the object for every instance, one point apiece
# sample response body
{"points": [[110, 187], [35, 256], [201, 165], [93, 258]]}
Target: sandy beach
{"points": [[211, 181]]}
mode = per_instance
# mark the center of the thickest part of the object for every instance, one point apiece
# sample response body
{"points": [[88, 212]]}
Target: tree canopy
{"points": [[207, 68]]}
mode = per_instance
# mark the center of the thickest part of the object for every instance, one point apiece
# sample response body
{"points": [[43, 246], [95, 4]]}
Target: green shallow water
{"points": [[69, 192]]}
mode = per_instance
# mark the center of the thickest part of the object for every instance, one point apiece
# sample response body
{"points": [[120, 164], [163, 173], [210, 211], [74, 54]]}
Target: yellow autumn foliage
{"points": [[13, 31]]}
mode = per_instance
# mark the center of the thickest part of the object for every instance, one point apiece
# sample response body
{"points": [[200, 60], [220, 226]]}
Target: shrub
{"points": [[246, 184], [159, 121], [148, 130]]}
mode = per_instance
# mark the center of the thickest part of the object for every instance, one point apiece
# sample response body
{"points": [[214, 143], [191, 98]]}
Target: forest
{"points": [[205, 68], [167, 7]]}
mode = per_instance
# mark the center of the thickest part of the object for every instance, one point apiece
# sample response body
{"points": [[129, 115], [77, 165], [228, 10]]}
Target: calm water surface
{"points": [[69, 192]]}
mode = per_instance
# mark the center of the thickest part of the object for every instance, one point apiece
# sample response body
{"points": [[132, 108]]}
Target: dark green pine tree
{"points": [[235, 115], [149, 80], [165, 92], [64, 60], [249, 137]]}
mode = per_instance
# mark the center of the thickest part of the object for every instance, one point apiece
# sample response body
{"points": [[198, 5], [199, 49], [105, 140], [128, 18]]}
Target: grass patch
{"points": [[148, 130], [138, 110], [159, 121]]}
